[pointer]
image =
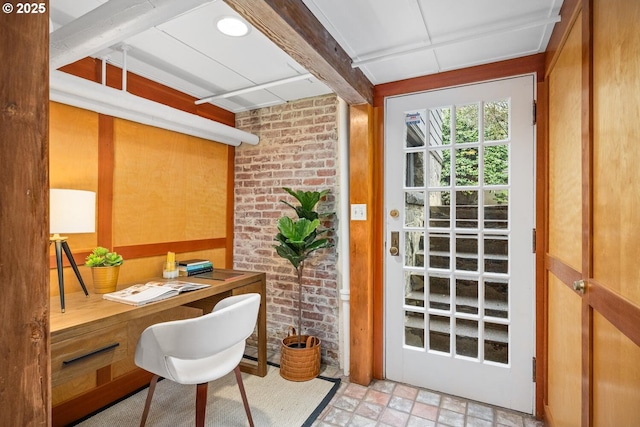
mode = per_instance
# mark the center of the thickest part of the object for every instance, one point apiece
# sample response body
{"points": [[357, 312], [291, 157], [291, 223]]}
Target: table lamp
{"points": [[70, 211]]}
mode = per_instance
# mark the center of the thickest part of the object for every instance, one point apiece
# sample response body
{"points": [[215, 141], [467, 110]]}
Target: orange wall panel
{"points": [[167, 186], [616, 196], [565, 170], [616, 377], [564, 355], [73, 159]]}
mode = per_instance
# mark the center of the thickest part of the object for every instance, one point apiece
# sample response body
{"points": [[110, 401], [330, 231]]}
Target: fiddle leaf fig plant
{"points": [[101, 257], [299, 238], [308, 200]]}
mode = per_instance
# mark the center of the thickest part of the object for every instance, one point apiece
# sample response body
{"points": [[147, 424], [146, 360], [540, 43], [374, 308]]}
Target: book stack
{"points": [[191, 267]]}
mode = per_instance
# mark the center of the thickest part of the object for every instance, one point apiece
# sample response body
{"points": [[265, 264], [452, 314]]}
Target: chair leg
{"points": [[152, 388], [201, 404], [244, 395]]}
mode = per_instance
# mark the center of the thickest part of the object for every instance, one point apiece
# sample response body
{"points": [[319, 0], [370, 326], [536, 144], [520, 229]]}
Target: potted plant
{"points": [[105, 266], [297, 240]]}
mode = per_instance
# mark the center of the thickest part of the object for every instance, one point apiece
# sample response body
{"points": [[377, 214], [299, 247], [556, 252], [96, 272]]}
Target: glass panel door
{"points": [[457, 289]]}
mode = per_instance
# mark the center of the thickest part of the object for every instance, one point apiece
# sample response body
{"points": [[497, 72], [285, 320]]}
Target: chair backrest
{"points": [[232, 320]]}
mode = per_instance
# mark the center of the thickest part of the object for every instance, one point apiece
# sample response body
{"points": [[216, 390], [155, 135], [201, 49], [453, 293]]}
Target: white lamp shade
{"points": [[72, 211]]}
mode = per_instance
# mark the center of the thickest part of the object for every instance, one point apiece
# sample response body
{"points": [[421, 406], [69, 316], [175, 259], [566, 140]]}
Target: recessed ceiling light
{"points": [[231, 26]]}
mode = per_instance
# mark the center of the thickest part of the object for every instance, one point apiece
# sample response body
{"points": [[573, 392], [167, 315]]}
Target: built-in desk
{"points": [[95, 340]]}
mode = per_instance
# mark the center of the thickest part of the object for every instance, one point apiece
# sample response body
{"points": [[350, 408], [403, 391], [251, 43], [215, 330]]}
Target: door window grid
{"points": [[465, 311]]}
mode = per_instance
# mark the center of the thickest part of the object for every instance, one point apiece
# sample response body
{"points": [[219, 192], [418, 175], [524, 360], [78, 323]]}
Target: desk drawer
{"points": [[87, 353]]}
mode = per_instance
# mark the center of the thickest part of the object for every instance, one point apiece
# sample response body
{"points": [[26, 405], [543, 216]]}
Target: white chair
{"points": [[199, 350]]}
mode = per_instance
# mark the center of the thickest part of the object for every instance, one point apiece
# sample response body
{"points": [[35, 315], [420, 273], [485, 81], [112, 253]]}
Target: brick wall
{"points": [[297, 149]]}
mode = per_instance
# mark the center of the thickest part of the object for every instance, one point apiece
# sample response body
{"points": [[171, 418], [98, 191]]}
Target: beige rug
{"points": [[274, 401]]}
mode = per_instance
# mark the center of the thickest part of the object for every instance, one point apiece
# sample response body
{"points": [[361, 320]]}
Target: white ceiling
{"points": [[176, 43]]}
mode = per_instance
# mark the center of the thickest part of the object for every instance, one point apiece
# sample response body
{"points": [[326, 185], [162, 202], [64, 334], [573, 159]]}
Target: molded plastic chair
{"points": [[199, 350]]}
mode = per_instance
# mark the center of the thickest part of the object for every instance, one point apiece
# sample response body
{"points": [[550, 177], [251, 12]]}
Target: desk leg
{"points": [[260, 368], [262, 332]]}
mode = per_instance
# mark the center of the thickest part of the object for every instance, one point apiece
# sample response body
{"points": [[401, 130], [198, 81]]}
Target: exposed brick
{"points": [[297, 149]]}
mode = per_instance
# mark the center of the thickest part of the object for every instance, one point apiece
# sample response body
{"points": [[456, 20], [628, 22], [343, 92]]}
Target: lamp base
{"points": [[61, 244]]}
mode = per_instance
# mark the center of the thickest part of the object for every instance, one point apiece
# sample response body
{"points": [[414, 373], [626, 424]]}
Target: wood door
{"points": [[593, 374]]}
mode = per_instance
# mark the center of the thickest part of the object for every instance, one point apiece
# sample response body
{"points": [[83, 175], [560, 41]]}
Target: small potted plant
{"points": [[105, 266], [297, 240]]}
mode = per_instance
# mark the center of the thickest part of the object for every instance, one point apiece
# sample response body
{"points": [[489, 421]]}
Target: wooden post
{"points": [[361, 165], [25, 388]]}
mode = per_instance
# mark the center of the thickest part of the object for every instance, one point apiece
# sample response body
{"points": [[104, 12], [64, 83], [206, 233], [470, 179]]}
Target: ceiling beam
{"points": [[295, 30]]}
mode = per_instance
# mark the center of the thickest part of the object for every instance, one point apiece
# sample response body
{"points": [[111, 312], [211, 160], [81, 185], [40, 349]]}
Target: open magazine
{"points": [[151, 292]]}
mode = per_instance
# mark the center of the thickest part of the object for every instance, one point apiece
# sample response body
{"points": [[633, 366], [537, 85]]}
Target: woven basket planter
{"points": [[300, 364]]}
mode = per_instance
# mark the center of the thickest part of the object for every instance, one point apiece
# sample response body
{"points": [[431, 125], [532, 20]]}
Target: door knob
{"points": [[579, 286]]}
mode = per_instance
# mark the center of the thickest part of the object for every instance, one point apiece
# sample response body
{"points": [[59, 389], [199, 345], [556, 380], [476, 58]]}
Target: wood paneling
{"points": [[565, 161], [24, 211], [616, 374], [143, 169], [609, 45], [568, 15], [616, 193], [564, 355], [73, 160]]}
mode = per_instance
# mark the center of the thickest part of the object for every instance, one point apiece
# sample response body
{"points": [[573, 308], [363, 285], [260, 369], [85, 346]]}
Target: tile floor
{"points": [[390, 404]]}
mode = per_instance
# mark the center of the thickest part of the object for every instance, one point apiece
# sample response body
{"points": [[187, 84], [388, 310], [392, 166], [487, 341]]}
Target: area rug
{"points": [[274, 402]]}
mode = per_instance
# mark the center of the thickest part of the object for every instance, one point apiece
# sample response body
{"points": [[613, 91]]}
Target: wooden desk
{"points": [[94, 335]]}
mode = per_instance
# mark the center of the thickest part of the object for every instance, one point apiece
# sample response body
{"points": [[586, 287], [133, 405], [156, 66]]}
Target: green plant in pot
{"points": [[105, 267], [297, 239]]}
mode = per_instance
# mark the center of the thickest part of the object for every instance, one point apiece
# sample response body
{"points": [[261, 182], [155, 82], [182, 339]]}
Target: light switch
{"points": [[358, 212]]}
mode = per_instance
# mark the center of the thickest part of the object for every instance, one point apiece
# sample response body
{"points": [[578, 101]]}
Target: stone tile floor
{"points": [[389, 404]]}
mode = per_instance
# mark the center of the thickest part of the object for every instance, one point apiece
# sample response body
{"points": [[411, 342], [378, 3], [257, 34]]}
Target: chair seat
{"points": [[197, 371]]}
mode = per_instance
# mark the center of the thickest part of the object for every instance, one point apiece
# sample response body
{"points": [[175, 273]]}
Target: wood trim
{"points": [[230, 207], [587, 139], [587, 363], [378, 247], [587, 208], [542, 196], [74, 409], [91, 69], [569, 12], [106, 166], [154, 249], [548, 417], [618, 310], [496, 70], [562, 271], [295, 30]]}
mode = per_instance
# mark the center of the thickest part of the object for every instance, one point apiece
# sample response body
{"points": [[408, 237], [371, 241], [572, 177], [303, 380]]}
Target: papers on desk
{"points": [[151, 292]]}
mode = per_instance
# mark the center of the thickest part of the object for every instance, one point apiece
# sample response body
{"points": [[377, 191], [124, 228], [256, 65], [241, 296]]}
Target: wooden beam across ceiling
{"points": [[293, 28]]}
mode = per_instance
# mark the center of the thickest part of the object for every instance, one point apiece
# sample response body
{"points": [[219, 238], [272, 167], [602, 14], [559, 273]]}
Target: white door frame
{"points": [[525, 234]]}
